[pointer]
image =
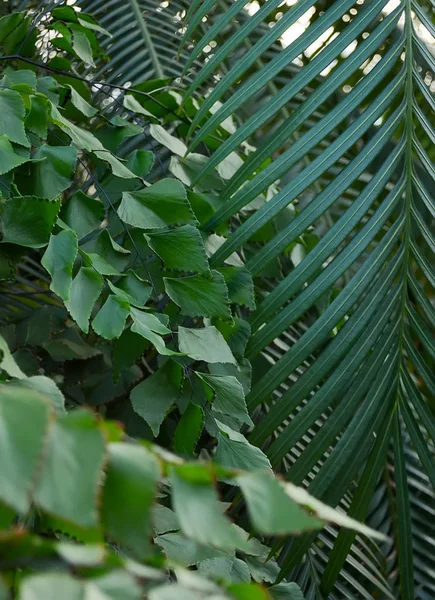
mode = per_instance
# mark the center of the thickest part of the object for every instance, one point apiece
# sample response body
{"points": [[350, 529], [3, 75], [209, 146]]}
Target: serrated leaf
{"points": [[130, 103], [85, 290], [53, 173], [163, 203], [129, 491], [47, 388], [229, 396], [59, 260], [12, 113], [21, 443], [200, 296], [70, 477], [111, 318], [240, 285], [189, 429], [205, 344], [8, 158], [183, 551], [235, 452], [82, 213], [153, 397], [28, 221], [180, 249], [270, 509], [195, 502]]}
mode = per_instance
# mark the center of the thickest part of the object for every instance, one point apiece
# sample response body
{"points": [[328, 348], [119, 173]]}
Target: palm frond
{"points": [[358, 135]]}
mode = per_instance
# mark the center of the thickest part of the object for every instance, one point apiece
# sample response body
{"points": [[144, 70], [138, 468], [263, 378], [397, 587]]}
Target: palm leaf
{"points": [[360, 139]]}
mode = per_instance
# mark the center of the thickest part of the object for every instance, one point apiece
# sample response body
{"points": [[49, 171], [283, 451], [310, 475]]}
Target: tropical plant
{"points": [[287, 224]]}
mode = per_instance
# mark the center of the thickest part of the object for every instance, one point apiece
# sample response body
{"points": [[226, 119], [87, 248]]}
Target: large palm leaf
{"points": [[361, 137]]}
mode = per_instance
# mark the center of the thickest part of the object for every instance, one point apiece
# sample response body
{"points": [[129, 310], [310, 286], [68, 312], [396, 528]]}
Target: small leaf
{"points": [[200, 296], [151, 328], [129, 491], [81, 104], [82, 47], [240, 285], [133, 288], [163, 203], [130, 103], [235, 452], [85, 290], [189, 429], [7, 362], [152, 398], [230, 397], [171, 142], [82, 213], [195, 502], [110, 320], [270, 509], [108, 252], [70, 477], [12, 113], [59, 260], [28, 221], [205, 344]]}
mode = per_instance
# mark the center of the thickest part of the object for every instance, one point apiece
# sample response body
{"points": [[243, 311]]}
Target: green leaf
{"points": [[22, 443], [231, 570], [37, 117], [110, 320], [180, 249], [81, 104], [270, 509], [189, 430], [151, 328], [133, 288], [240, 285], [235, 452], [105, 251], [82, 213], [50, 585], [7, 362], [229, 396], [28, 221], [12, 113], [129, 491], [59, 260], [153, 397], [163, 203], [130, 103], [196, 505], [171, 142], [127, 349], [47, 388], [82, 47], [205, 344], [200, 296], [8, 158], [183, 551], [70, 477], [85, 140], [54, 171], [85, 290]]}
